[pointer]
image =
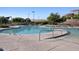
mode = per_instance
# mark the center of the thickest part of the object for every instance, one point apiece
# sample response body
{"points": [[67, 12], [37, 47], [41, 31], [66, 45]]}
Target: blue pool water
{"points": [[27, 30], [74, 32]]}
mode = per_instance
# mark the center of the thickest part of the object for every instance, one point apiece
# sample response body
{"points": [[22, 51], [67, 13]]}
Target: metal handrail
{"points": [[47, 30], [40, 33]]}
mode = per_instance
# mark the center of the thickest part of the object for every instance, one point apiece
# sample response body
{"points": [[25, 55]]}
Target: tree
{"points": [[73, 15], [18, 19], [27, 20], [76, 16], [69, 15], [4, 20], [63, 19], [52, 18]]}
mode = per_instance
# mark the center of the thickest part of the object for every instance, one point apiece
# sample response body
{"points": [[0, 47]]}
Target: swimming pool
{"points": [[74, 32], [28, 30]]}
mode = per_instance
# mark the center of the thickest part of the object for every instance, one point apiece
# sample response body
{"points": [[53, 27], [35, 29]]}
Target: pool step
{"points": [[55, 34], [59, 35]]}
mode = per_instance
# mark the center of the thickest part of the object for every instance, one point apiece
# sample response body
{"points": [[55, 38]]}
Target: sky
{"points": [[40, 12]]}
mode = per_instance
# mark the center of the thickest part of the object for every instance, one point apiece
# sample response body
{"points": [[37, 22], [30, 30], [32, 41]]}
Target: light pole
{"points": [[28, 14], [33, 15]]}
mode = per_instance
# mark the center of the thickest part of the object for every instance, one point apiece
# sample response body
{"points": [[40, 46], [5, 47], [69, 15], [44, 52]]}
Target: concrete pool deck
{"points": [[32, 43]]}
